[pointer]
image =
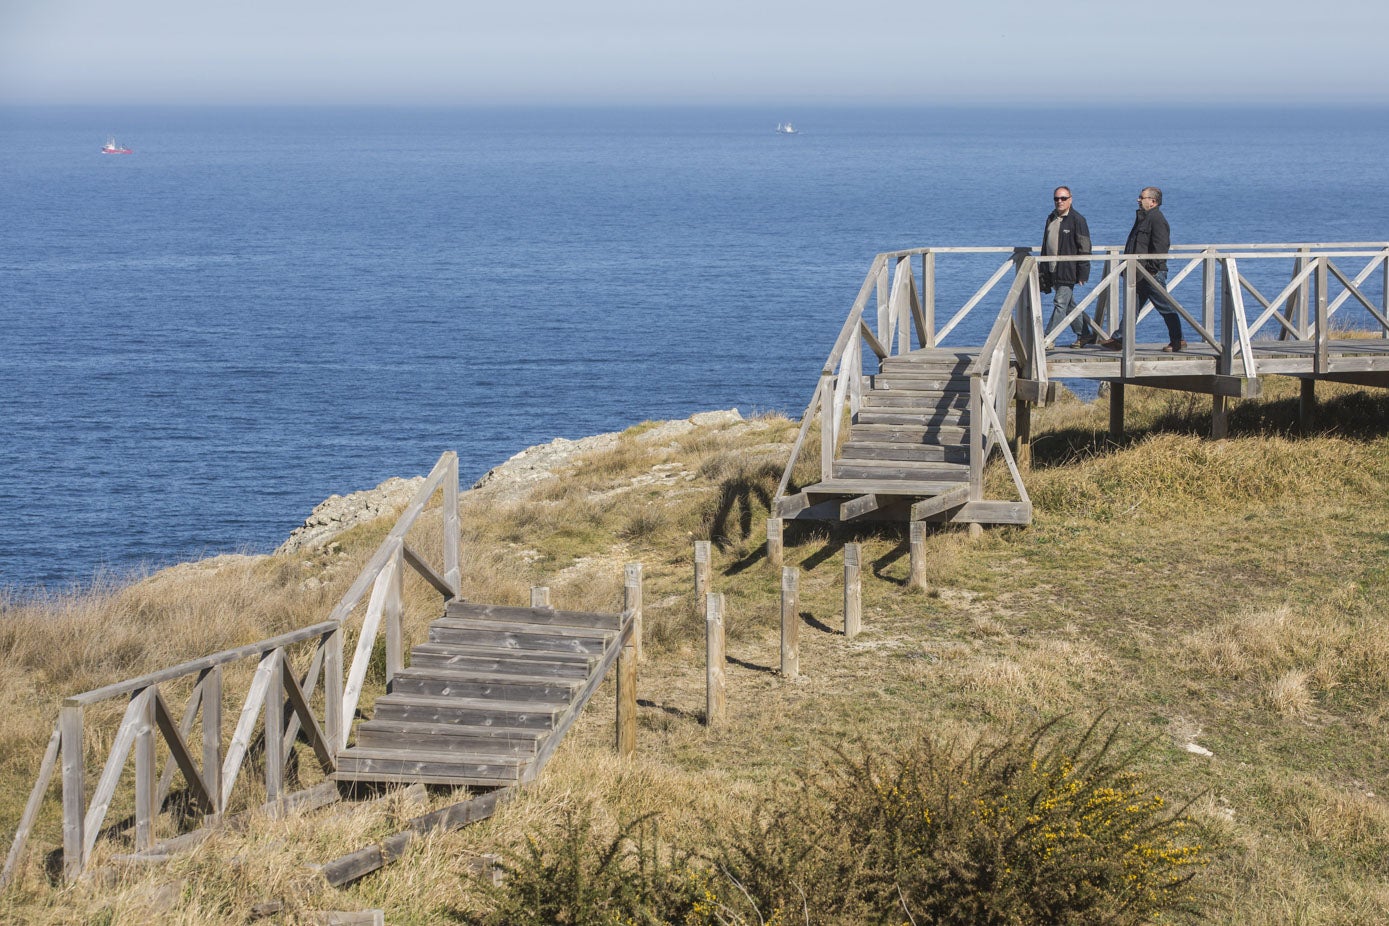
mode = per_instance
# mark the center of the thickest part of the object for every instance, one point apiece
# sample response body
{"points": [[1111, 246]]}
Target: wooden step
{"points": [[375, 764], [449, 737], [853, 487], [482, 712], [549, 617], [901, 469], [504, 637], [501, 662], [899, 434], [870, 416], [874, 450], [441, 683], [918, 382], [933, 401]]}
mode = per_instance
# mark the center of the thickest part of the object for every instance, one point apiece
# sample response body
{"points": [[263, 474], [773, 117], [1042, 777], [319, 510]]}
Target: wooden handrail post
{"points": [[715, 697], [210, 683], [774, 542], [275, 728], [1208, 272], [827, 391], [928, 295], [1129, 309], [540, 596], [885, 315], [702, 554], [335, 725], [853, 591], [627, 701], [790, 622], [146, 781], [453, 537], [632, 603], [976, 437], [917, 577], [395, 612], [1321, 332], [74, 791]]}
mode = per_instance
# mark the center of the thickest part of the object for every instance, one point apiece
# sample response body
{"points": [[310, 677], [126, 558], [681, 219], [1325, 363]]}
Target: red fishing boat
{"points": [[112, 148]]}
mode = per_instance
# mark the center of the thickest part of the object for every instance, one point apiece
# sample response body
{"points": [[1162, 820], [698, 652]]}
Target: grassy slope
{"points": [[1228, 594]]}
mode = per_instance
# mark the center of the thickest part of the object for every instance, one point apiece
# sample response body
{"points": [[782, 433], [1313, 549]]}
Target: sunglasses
{"points": [[1059, 199]]}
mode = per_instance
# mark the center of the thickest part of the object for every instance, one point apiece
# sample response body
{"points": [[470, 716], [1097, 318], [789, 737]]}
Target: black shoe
{"points": [[1087, 340]]}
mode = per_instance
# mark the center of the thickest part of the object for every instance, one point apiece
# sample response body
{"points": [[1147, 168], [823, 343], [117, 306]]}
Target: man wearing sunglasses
{"points": [[1065, 233], [1152, 235]]}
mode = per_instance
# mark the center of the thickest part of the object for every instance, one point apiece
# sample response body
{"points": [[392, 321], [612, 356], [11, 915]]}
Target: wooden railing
{"points": [[905, 314], [279, 706]]}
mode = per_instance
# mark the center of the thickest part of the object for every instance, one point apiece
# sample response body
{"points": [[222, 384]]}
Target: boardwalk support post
{"points": [[631, 602], [917, 577], [1307, 404], [715, 698], [1022, 429], [790, 622], [774, 543], [853, 591], [1116, 410], [627, 701]]}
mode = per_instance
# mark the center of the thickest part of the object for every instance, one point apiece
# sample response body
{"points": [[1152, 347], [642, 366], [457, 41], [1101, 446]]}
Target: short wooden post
{"points": [[715, 700], [774, 547], [702, 555], [917, 577], [853, 592], [627, 701], [395, 611], [631, 602], [74, 791], [1022, 430], [1307, 404], [453, 537], [1116, 409], [790, 622], [335, 726], [540, 596], [275, 729], [146, 782], [1220, 417], [976, 530]]}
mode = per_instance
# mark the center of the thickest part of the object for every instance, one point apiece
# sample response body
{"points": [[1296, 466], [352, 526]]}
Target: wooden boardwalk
{"points": [[907, 422], [487, 699]]}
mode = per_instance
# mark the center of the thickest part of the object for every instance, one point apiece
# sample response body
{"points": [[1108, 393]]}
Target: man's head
{"points": [[1149, 198], [1061, 196]]}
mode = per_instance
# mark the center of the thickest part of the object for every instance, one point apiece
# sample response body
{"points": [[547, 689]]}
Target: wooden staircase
{"points": [[907, 450], [487, 699]]}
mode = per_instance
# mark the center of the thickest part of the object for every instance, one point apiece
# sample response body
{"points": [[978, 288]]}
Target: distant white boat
{"points": [[785, 128]]}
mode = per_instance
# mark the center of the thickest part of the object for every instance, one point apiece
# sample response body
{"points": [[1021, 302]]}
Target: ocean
{"points": [[258, 308]]}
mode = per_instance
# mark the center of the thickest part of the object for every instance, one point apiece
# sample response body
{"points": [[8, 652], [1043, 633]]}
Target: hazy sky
{"points": [[694, 51]]}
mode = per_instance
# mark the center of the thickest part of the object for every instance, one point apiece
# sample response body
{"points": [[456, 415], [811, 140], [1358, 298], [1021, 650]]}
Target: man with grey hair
{"points": [[1065, 233], [1152, 235]]}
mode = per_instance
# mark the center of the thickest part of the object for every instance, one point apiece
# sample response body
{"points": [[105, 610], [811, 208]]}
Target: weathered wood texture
{"points": [[715, 696], [790, 622], [853, 591]]}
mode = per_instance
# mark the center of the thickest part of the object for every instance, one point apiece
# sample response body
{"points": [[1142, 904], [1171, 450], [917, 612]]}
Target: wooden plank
{"points": [[467, 711], [181, 756], [417, 563], [110, 774], [931, 507], [626, 733], [904, 487], [875, 450], [245, 724], [299, 702], [146, 781], [539, 615], [337, 727], [558, 691], [74, 789], [857, 507], [31, 808], [715, 696], [366, 642], [501, 662], [452, 535], [274, 733], [790, 622], [853, 591], [1206, 384], [521, 642], [1031, 390], [185, 726], [910, 470], [351, 867], [991, 512], [410, 770], [449, 737], [211, 685], [900, 435]]}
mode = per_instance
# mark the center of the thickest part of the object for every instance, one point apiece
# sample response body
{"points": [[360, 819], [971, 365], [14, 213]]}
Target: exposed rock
{"points": [[337, 513]]}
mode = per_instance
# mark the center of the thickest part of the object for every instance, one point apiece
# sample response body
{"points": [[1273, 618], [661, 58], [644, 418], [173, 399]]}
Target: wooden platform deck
{"points": [[487, 699], [907, 424]]}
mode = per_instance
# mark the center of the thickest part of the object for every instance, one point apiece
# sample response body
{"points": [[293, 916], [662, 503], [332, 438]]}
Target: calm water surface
{"points": [[258, 308]]}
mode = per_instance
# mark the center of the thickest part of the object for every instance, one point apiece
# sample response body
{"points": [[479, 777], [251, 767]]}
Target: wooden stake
{"points": [[1116, 409], [976, 530], [1220, 417], [540, 596], [627, 701], [774, 547], [853, 592], [701, 570], [716, 701], [1307, 404], [790, 622], [1022, 429], [631, 601], [917, 577]]}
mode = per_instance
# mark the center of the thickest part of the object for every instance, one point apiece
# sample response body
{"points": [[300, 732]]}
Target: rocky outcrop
{"points": [[338, 513]]}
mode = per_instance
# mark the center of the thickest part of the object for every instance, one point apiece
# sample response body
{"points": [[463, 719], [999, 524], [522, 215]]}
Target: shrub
{"points": [[1038, 828]]}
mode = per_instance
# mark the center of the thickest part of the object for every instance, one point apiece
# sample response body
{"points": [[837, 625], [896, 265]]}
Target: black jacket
{"points": [[1073, 237], [1150, 235]]}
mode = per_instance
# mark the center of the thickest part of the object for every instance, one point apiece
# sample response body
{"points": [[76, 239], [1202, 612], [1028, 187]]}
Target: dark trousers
{"points": [[1157, 295]]}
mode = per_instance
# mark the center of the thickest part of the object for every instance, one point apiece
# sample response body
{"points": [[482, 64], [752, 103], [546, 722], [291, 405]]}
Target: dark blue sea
{"points": [[258, 308]]}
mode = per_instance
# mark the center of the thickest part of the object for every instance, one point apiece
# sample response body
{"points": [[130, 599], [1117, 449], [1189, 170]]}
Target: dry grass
{"points": [[1223, 594]]}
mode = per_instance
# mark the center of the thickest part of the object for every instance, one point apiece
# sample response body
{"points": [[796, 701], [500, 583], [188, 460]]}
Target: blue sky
{"points": [[709, 51]]}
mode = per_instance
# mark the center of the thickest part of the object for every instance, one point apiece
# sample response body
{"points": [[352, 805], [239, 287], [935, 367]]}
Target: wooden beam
{"points": [[31, 808], [1038, 393], [181, 756], [715, 696], [632, 603], [417, 563], [1235, 387], [931, 507], [790, 622], [857, 507], [627, 701], [853, 591], [318, 741]]}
